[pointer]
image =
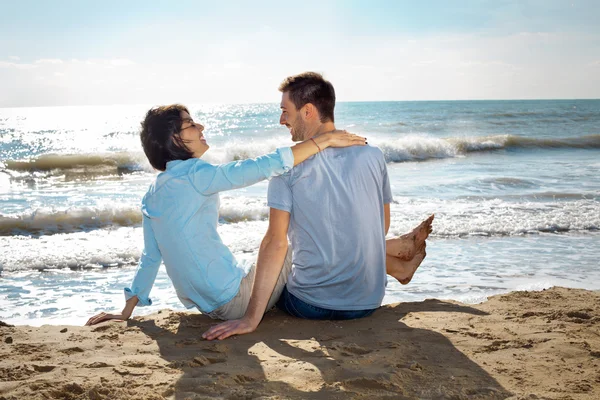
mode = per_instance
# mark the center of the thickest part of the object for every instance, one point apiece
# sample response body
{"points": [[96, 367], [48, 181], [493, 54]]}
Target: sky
{"points": [[83, 52]]}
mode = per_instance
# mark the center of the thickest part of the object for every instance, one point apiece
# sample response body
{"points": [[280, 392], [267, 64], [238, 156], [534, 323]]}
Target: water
{"points": [[514, 186]]}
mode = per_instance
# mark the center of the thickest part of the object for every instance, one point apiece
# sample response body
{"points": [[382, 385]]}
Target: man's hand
{"points": [[230, 328], [96, 319]]}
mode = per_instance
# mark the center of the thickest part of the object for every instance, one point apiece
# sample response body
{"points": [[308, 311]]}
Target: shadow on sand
{"points": [[376, 357]]}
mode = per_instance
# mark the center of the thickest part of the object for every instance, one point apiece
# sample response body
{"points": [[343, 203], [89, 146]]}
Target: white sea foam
{"points": [[94, 249], [48, 220], [458, 217], [246, 221], [406, 148], [496, 217]]}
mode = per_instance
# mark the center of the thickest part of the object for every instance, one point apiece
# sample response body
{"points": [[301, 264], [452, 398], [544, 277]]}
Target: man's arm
{"points": [[387, 218], [270, 262]]}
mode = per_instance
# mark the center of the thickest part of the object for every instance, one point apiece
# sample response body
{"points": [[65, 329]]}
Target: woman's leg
{"points": [[236, 308]]}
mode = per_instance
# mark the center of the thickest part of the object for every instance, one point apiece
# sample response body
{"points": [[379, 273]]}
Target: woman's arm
{"points": [[310, 147], [143, 280], [209, 179], [124, 315]]}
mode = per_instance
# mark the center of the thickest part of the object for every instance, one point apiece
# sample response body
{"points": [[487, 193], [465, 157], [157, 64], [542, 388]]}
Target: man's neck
{"points": [[320, 129]]}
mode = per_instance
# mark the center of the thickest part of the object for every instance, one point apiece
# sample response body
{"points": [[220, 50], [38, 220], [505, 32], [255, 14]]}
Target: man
{"points": [[335, 208]]}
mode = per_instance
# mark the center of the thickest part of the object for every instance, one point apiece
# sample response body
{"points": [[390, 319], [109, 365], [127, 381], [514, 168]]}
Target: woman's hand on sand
{"points": [[339, 138], [229, 328], [96, 319]]}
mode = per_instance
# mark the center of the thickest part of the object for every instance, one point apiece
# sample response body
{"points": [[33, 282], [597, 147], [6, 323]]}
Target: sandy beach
{"points": [[523, 345]]}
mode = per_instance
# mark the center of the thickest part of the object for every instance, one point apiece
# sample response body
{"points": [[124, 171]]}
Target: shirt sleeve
{"points": [[279, 195], [209, 178], [147, 268], [387, 191]]}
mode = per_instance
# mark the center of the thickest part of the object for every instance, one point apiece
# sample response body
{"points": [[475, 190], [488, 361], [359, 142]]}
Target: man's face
{"points": [[292, 118]]}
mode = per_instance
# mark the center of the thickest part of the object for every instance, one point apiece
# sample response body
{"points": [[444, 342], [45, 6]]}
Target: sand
{"points": [[523, 345]]}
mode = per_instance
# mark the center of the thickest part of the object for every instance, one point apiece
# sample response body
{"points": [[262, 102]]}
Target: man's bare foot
{"points": [[402, 270], [406, 246]]}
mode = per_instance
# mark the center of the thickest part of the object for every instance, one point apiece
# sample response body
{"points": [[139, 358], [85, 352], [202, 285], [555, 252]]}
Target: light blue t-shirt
{"points": [[180, 214], [336, 204]]}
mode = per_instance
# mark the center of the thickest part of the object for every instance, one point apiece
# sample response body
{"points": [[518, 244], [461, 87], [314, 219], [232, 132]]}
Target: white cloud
{"points": [[49, 61], [520, 65], [14, 58], [120, 63], [4, 64]]}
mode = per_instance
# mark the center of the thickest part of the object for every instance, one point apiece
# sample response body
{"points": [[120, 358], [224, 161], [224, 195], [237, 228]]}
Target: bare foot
{"points": [[402, 270], [405, 247]]}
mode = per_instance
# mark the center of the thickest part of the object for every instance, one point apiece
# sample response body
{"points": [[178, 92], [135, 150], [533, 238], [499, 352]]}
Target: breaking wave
{"points": [[420, 148], [45, 221], [406, 148]]}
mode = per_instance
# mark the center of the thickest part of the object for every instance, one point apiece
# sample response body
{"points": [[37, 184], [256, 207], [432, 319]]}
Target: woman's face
{"points": [[192, 135]]}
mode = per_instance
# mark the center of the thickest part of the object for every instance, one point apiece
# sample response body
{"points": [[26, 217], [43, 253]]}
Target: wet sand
{"points": [[523, 345]]}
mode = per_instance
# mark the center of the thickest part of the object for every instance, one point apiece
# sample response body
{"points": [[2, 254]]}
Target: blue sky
{"points": [[141, 52]]}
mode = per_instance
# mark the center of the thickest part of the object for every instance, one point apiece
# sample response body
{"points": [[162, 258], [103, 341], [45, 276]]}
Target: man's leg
{"points": [[407, 246], [301, 309], [404, 270]]}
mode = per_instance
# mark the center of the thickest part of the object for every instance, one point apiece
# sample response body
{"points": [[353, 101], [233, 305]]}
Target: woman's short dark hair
{"points": [[311, 87], [160, 136]]}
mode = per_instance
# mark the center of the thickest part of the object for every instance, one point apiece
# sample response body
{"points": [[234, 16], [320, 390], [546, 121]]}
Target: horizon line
{"points": [[275, 102]]}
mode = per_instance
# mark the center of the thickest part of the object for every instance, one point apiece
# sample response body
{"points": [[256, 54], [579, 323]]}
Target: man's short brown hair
{"points": [[311, 87]]}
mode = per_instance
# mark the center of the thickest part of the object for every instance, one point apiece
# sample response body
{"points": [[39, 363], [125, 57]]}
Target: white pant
{"points": [[236, 308]]}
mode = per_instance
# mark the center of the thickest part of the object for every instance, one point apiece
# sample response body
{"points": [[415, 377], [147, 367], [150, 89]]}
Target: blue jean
{"points": [[301, 309]]}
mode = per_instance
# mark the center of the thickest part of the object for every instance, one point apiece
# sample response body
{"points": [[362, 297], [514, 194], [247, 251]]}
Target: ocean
{"points": [[514, 186]]}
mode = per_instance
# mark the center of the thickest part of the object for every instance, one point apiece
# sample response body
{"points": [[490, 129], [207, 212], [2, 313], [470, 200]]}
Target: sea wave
{"points": [[473, 216], [93, 162], [48, 221], [419, 148], [118, 244], [497, 217], [406, 148]]}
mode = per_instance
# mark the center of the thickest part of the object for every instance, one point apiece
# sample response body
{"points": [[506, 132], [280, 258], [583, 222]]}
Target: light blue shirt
{"points": [[180, 214], [337, 227]]}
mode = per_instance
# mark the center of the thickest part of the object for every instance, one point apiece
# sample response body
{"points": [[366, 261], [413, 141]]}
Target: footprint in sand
{"points": [[43, 368], [26, 349], [241, 379], [133, 364], [98, 364], [72, 350], [113, 337], [577, 316], [349, 349], [202, 361], [374, 383]]}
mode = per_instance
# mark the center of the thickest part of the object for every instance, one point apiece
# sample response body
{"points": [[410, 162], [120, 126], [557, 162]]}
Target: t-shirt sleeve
{"points": [[279, 195], [387, 191]]}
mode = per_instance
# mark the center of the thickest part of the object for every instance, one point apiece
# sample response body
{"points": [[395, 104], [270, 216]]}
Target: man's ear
{"points": [[310, 112]]}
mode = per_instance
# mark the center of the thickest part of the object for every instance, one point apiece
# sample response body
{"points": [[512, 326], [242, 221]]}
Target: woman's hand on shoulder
{"points": [[341, 138]]}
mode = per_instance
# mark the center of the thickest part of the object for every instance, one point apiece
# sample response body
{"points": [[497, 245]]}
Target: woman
{"points": [[180, 213]]}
